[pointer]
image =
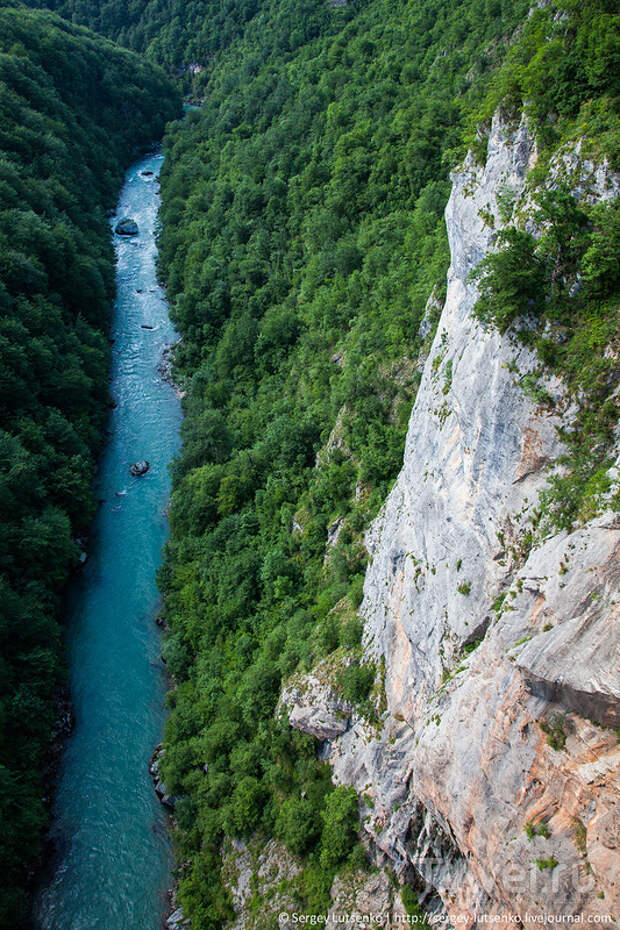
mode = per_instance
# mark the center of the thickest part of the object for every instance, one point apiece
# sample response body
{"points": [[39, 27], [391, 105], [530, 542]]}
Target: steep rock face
{"points": [[472, 465], [362, 895], [314, 704], [574, 661], [478, 749], [257, 874]]}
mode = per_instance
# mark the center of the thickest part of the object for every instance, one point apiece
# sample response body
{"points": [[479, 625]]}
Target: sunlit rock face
{"points": [[481, 642]]}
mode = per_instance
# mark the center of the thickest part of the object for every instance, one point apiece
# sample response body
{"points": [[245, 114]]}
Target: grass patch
{"points": [[549, 863], [579, 834], [554, 730], [531, 830]]}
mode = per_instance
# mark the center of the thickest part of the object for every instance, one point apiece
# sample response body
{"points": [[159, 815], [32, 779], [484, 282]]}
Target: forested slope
{"points": [[172, 33], [73, 111], [305, 255], [302, 236]]}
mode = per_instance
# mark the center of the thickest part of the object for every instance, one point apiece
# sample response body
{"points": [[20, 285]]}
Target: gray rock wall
{"points": [[468, 754]]}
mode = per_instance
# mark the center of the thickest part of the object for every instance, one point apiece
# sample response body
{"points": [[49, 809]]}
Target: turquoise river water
{"points": [[113, 859]]}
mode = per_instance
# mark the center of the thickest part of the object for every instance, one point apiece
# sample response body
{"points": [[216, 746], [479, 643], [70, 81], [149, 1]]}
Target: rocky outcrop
{"points": [[164, 369], [492, 773], [261, 876], [164, 796], [314, 703], [571, 661], [363, 896], [261, 873], [176, 920]]}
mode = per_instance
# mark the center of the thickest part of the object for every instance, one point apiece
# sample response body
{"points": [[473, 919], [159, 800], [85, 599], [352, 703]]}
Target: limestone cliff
{"points": [[490, 781]]}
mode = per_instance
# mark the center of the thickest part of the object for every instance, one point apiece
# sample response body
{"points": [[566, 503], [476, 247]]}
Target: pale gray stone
{"points": [[460, 763]]}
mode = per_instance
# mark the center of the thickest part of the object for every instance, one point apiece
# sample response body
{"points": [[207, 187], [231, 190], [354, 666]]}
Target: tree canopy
{"points": [[302, 238]]}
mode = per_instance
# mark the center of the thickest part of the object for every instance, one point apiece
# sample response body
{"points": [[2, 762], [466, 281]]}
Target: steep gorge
{"points": [[463, 712], [74, 109], [460, 763], [390, 631]]}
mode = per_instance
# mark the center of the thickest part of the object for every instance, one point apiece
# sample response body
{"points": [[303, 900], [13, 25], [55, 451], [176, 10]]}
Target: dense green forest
{"points": [[302, 235], [172, 33], [73, 111]]}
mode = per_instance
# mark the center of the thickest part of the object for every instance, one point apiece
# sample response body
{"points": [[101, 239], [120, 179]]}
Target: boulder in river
{"points": [[126, 227], [139, 468], [82, 542]]}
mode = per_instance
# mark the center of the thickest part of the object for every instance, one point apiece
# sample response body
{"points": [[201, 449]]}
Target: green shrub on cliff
{"points": [[560, 295], [340, 820]]}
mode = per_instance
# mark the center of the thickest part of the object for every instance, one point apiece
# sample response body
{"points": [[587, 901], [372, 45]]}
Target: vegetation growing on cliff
{"points": [[560, 295], [559, 292], [302, 236], [72, 110]]}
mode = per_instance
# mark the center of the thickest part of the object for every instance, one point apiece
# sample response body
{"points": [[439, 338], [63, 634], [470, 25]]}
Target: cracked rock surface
{"points": [[495, 757]]}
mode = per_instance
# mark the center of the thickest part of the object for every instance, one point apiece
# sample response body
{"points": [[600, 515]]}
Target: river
{"points": [[113, 856]]}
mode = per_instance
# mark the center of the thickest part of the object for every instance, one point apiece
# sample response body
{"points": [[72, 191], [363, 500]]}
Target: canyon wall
{"points": [[489, 782]]}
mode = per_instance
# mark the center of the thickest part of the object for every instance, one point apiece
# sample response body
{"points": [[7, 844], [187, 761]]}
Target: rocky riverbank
{"points": [[164, 369], [175, 919]]}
